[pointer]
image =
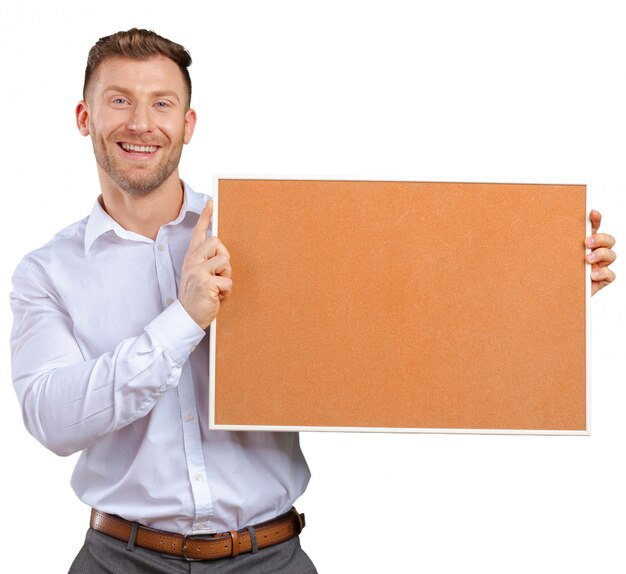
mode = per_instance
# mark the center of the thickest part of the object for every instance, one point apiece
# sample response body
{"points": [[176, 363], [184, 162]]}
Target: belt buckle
{"points": [[184, 550], [190, 537]]}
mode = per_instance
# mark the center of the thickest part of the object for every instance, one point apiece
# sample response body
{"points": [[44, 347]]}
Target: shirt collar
{"points": [[99, 221]]}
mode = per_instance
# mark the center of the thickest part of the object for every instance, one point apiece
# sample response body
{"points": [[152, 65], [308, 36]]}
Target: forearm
{"points": [[68, 402]]}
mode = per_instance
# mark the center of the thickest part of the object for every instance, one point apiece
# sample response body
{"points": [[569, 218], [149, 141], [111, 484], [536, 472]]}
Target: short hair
{"points": [[137, 44]]}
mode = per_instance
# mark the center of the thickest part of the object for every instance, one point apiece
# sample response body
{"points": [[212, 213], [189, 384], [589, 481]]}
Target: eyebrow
{"points": [[156, 94]]}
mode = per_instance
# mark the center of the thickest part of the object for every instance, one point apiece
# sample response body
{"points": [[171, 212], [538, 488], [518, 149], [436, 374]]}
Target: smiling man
{"points": [[110, 354]]}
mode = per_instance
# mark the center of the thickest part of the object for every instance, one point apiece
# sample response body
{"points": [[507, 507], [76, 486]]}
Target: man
{"points": [[110, 355]]}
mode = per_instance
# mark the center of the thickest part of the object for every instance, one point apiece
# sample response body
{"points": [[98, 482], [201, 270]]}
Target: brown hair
{"points": [[139, 45]]}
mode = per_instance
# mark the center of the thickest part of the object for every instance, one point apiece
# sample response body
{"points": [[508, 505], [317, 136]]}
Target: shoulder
{"points": [[66, 244]]}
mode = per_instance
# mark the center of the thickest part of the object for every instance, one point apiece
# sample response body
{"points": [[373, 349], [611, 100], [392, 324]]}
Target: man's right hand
{"points": [[206, 274]]}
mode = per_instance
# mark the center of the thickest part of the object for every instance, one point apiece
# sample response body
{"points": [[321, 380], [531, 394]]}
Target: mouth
{"points": [[140, 149]]}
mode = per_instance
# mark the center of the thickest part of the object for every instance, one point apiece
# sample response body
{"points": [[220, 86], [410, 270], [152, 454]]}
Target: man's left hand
{"points": [[601, 255]]}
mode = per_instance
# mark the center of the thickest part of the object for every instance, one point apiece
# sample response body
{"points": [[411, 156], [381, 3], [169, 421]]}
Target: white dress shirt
{"points": [[108, 362]]}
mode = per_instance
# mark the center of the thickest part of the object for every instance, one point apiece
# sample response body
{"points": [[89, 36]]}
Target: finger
{"points": [[600, 240], [218, 265], [217, 286], [602, 256], [201, 229], [596, 218], [603, 275], [210, 247], [224, 285]]}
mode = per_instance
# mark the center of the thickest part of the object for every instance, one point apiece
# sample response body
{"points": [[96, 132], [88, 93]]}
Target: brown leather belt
{"points": [[204, 546]]}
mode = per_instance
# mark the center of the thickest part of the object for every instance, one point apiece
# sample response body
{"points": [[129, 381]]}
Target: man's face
{"points": [[136, 113]]}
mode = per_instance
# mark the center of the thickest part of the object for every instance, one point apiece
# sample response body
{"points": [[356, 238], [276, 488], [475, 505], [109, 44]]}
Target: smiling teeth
{"points": [[139, 148]]}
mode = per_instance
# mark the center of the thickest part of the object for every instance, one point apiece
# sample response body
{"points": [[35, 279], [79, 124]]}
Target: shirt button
{"points": [[189, 417], [161, 247], [169, 300], [192, 348], [198, 477], [200, 526]]}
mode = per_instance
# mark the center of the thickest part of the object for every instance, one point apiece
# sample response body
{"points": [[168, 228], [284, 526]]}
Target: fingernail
{"points": [[589, 242], [591, 257], [595, 275]]}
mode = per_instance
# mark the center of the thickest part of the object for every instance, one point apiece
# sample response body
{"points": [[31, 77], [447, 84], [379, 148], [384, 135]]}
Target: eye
{"points": [[161, 104], [119, 101]]}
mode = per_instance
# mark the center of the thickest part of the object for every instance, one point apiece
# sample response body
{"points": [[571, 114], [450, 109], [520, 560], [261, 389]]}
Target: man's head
{"points": [[136, 109]]}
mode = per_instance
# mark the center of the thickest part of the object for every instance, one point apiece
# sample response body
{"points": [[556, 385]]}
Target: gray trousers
{"points": [[102, 554]]}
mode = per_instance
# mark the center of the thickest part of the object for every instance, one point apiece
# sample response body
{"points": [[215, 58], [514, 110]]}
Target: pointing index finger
{"points": [[201, 229]]}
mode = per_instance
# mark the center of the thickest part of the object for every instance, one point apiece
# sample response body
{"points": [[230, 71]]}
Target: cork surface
{"points": [[395, 305]]}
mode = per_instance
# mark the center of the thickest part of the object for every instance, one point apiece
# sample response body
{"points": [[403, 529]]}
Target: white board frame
{"points": [[213, 327]]}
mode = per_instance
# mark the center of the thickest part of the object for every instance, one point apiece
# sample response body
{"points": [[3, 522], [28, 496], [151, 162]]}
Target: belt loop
{"points": [[253, 539], [299, 518], [234, 537], [133, 536]]}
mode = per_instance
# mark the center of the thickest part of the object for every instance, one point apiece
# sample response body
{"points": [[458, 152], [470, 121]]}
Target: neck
{"points": [[143, 215]]}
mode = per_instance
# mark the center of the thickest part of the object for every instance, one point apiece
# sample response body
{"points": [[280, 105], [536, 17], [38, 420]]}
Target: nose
{"points": [[140, 119]]}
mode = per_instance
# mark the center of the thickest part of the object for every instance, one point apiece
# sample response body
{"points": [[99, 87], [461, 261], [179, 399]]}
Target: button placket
{"points": [[194, 455], [165, 269], [193, 446]]}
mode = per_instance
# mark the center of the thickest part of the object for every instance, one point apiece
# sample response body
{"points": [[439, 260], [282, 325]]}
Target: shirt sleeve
{"points": [[69, 402]]}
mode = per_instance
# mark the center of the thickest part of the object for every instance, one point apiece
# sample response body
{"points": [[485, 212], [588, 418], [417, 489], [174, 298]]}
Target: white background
{"points": [[442, 90]]}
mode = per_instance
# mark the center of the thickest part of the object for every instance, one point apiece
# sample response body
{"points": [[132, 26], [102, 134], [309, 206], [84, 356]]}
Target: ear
{"points": [[190, 124], [82, 117]]}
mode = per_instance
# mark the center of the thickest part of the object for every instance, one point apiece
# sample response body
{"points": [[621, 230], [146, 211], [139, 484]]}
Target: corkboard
{"points": [[402, 306]]}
